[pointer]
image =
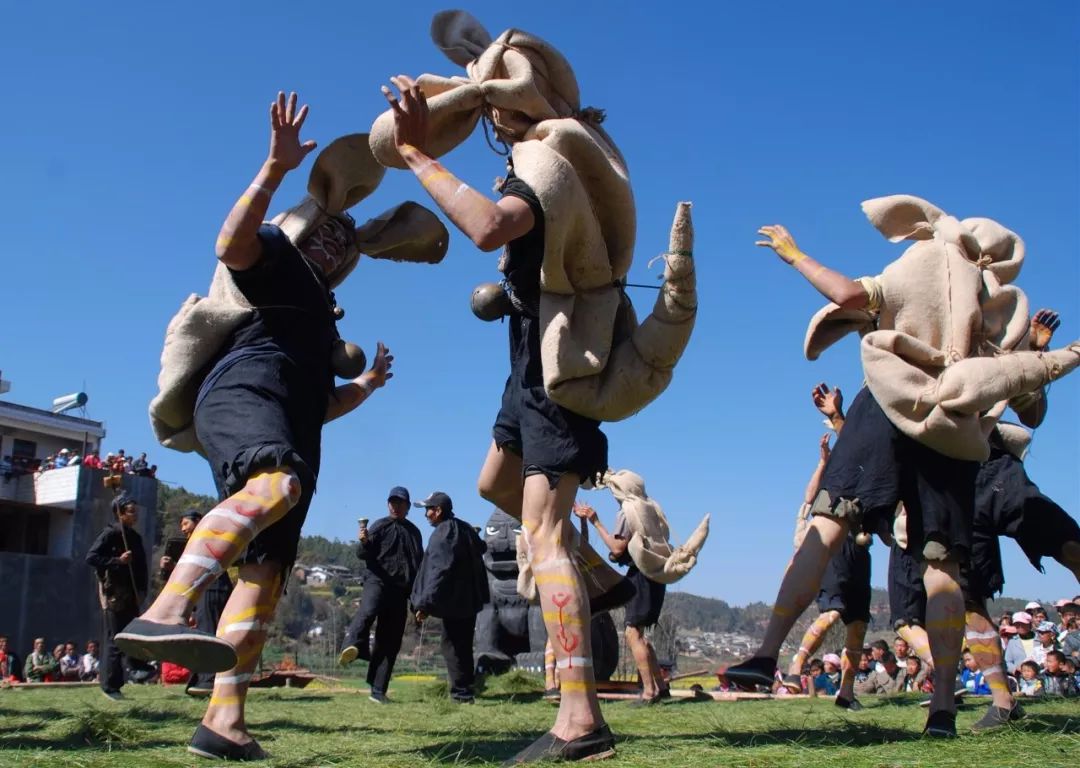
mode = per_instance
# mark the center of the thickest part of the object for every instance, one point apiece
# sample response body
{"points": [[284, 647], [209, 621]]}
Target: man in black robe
{"points": [[452, 586], [119, 557], [392, 548]]}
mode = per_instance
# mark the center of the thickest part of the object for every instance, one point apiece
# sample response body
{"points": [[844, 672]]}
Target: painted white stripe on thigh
{"points": [[236, 517], [990, 635], [232, 679], [245, 626], [573, 661], [551, 565], [208, 563]]}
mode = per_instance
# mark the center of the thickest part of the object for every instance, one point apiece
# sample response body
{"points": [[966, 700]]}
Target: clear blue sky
{"points": [[132, 127]]}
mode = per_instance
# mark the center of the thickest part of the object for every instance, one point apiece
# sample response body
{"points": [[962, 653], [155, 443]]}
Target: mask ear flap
{"points": [[459, 36], [902, 217]]}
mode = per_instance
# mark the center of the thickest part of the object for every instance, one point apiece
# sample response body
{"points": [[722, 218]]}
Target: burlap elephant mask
{"points": [[560, 150], [944, 372]]}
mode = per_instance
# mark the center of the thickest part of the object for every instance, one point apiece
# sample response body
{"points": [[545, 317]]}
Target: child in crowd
{"points": [[1030, 684], [972, 677], [1056, 681]]}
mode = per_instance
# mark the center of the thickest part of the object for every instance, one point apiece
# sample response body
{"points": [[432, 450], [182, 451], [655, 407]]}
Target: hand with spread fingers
{"points": [[410, 112], [781, 241], [380, 372], [584, 511], [1043, 325], [286, 151], [829, 402]]}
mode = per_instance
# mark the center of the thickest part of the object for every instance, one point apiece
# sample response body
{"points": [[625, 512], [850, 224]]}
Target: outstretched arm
{"points": [[834, 286], [348, 396], [1031, 407], [489, 224], [237, 247], [819, 470], [616, 545]]}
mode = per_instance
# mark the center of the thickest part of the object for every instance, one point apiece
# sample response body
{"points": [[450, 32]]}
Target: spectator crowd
{"points": [[63, 665], [1041, 659], [115, 463]]}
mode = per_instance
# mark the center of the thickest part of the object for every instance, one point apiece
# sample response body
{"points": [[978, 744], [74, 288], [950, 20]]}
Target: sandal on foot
{"points": [[206, 743], [597, 745], [178, 643]]}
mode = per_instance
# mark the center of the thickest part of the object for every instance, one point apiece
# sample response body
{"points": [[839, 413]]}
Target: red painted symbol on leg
{"points": [[569, 642]]}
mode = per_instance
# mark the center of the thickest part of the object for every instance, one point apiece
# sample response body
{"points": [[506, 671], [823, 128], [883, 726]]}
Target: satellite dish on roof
{"points": [[67, 402]]}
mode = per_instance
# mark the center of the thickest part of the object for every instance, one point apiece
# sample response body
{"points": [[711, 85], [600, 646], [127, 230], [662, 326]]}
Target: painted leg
{"points": [[654, 667], [244, 624], [500, 484], [918, 642], [945, 629], [550, 682], [985, 645], [812, 640], [802, 580], [222, 534], [849, 662], [564, 601], [639, 647]]}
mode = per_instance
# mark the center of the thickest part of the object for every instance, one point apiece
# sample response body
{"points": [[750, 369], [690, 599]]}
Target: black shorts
{"points": [[1009, 504], [846, 584], [907, 595], [874, 466], [550, 439], [644, 607], [258, 414]]}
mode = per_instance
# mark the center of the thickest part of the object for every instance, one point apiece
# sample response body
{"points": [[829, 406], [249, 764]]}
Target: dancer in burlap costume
{"points": [[578, 356], [247, 380], [942, 325]]}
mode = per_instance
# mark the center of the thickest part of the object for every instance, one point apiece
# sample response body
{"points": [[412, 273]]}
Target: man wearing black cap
{"points": [[452, 586], [119, 558], [209, 608], [392, 549]]}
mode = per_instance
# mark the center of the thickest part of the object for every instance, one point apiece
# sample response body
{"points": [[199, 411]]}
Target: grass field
{"points": [[79, 728]]}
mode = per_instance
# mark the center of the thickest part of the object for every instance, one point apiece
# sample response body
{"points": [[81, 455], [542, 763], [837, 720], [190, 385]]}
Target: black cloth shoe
{"points": [[180, 644], [851, 704], [552, 694], [995, 717], [1017, 712], [592, 746], [112, 695], [621, 594], [206, 743], [940, 725], [378, 698], [752, 673]]}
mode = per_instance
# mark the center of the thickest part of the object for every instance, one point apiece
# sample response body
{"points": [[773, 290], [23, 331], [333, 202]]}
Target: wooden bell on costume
{"points": [[347, 360]]}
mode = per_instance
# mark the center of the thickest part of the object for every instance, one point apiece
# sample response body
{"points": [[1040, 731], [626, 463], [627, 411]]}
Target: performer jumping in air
{"points": [[941, 325], [566, 221], [248, 380]]}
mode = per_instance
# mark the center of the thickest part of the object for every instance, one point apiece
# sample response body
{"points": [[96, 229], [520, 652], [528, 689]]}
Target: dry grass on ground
{"points": [[79, 728]]}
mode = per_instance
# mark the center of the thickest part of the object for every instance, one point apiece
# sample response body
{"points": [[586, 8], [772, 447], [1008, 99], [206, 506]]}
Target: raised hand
{"points": [[1043, 325], [584, 511], [829, 402], [410, 112], [781, 241], [824, 447], [380, 373], [286, 151]]}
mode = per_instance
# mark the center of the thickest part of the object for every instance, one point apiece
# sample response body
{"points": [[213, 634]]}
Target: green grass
{"points": [[78, 728]]}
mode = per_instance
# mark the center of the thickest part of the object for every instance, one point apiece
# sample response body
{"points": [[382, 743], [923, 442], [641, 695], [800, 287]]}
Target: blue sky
{"points": [[132, 127]]}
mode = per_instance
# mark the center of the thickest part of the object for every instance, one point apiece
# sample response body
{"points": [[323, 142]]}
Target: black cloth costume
{"points": [[452, 585], [393, 553], [263, 402], [550, 439], [122, 587], [846, 584]]}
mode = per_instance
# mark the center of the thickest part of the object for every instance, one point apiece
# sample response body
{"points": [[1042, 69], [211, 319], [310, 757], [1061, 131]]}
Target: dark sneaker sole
{"points": [[197, 652]]}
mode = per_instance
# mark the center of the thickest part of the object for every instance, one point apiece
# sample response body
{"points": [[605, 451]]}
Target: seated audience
{"points": [[972, 677], [883, 681], [1029, 682], [1056, 681], [41, 666], [69, 664], [88, 663]]}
